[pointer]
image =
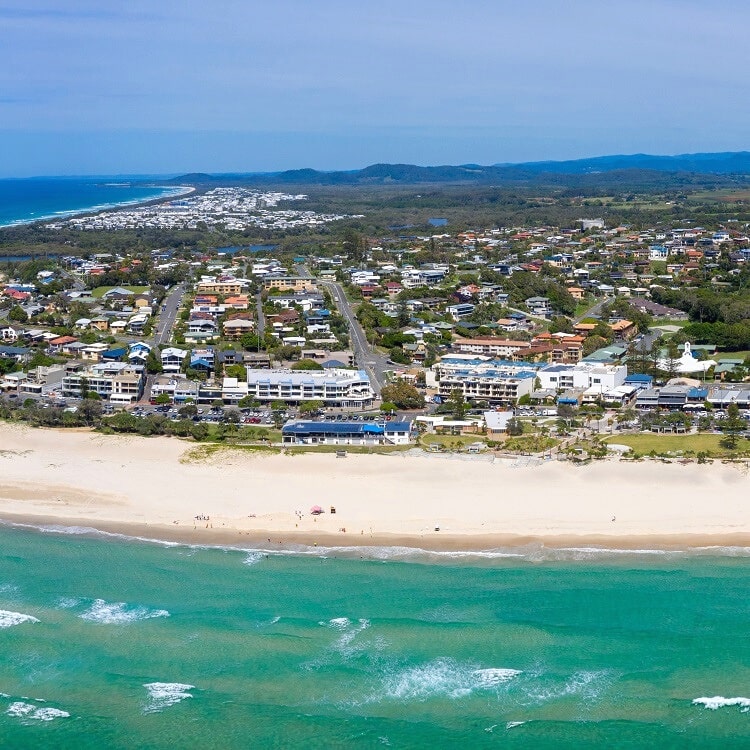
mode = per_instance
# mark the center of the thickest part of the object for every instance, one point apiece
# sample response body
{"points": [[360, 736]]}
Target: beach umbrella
{"points": [[316, 510]]}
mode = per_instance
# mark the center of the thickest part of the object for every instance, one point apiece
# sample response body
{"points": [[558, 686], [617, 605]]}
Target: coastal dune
{"points": [[163, 488]]}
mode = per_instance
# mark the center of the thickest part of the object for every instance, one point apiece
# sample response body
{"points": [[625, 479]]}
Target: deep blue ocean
{"points": [[106, 642], [24, 200]]}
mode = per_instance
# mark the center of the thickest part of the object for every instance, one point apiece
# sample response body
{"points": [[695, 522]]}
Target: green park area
{"points": [[645, 443], [450, 442]]}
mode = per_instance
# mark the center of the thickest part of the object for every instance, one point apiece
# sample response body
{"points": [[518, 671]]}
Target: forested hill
{"points": [[636, 169]]}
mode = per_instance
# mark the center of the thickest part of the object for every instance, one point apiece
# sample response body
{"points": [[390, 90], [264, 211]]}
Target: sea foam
{"points": [[165, 694], [719, 701], [444, 677], [120, 613], [9, 619], [19, 709]]}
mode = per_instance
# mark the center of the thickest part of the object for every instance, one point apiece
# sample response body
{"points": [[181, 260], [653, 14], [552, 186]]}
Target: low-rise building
{"points": [[290, 283], [346, 433], [491, 346]]}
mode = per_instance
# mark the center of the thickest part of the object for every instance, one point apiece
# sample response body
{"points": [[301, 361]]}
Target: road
{"points": [[168, 315], [373, 363], [593, 311], [163, 333]]}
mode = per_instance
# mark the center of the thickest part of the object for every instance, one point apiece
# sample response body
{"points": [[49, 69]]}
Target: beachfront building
{"points": [[346, 433], [116, 382], [481, 378], [334, 387], [582, 376], [42, 380]]}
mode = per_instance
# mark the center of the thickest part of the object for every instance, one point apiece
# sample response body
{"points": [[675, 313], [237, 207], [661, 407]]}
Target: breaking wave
{"points": [[719, 701], [162, 695], [120, 613], [444, 677], [9, 619], [19, 709]]}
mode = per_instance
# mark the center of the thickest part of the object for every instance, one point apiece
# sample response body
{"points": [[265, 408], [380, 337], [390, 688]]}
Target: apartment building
{"points": [[334, 387], [116, 382]]}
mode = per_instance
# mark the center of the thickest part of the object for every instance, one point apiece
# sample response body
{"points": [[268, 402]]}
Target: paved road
{"points": [[592, 311], [168, 315], [366, 357], [163, 333]]}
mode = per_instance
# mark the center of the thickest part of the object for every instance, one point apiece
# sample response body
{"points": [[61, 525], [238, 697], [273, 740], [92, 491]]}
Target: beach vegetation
{"points": [[90, 410], [526, 444], [731, 426], [457, 403]]}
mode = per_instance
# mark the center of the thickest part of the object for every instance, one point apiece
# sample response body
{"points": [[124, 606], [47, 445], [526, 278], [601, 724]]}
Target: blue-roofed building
{"points": [[114, 354], [639, 380], [346, 433]]}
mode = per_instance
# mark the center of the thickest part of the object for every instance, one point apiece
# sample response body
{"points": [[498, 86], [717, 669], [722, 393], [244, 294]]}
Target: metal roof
{"points": [[344, 428]]}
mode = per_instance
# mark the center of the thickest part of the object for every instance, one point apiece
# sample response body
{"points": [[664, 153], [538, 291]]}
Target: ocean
{"points": [[26, 200], [124, 643]]}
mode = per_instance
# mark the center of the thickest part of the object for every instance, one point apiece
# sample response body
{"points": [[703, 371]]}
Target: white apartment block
{"points": [[582, 376], [334, 387]]}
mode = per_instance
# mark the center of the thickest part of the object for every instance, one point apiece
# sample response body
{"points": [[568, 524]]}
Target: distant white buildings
{"points": [[230, 208]]}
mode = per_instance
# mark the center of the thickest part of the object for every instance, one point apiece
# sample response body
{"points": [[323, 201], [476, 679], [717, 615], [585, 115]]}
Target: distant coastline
{"points": [[48, 213]]}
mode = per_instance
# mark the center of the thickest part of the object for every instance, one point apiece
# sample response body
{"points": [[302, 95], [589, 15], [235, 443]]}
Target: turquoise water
{"points": [[147, 645], [45, 197]]}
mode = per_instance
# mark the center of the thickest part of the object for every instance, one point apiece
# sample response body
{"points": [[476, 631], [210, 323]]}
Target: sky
{"points": [[168, 86]]}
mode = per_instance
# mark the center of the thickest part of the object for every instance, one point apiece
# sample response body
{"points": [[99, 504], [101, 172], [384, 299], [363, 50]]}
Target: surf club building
{"points": [[346, 433]]}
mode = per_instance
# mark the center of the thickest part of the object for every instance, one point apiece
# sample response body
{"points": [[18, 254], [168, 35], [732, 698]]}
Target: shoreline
{"points": [[153, 488], [508, 545], [181, 190]]}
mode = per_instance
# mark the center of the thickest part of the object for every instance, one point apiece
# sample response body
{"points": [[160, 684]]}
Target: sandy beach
{"points": [[151, 487]]}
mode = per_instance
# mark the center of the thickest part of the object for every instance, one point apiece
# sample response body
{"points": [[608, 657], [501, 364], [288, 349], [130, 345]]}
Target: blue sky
{"points": [[160, 86]]}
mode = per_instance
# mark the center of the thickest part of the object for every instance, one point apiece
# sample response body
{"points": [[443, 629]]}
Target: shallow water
{"points": [[167, 646]]}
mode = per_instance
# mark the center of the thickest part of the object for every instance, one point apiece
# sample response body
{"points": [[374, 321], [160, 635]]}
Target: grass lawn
{"points": [[731, 355], [669, 322], [100, 291], [529, 444], [451, 441], [645, 442]]}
